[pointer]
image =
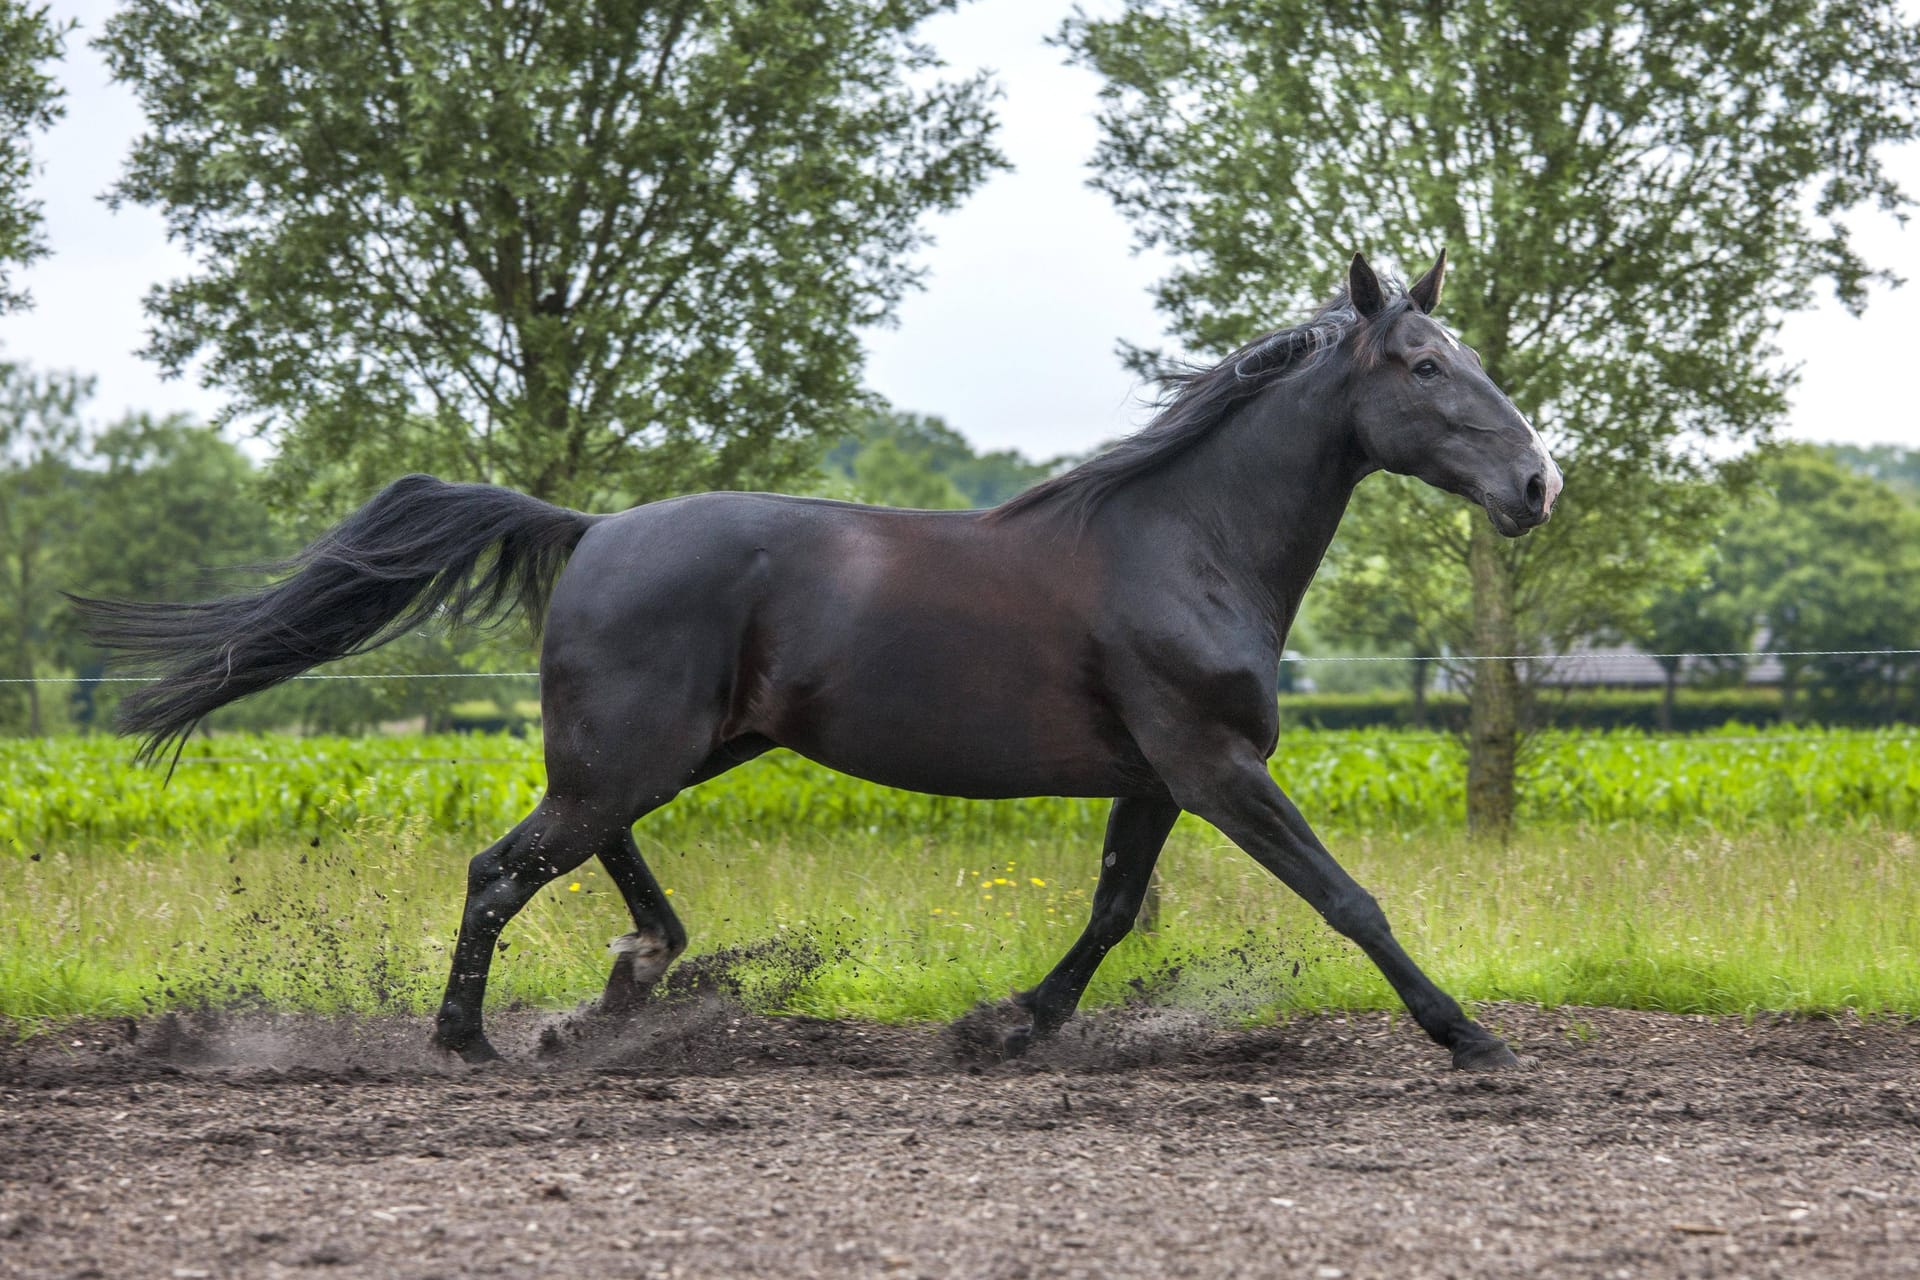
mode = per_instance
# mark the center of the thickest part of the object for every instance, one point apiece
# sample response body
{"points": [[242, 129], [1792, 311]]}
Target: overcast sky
{"points": [[1029, 286]]}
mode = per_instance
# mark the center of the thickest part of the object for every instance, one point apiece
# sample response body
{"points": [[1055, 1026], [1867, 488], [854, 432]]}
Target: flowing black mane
{"points": [[1194, 399]]}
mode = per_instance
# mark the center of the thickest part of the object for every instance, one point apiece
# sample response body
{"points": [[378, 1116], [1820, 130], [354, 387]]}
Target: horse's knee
{"points": [[1112, 920], [1355, 914]]}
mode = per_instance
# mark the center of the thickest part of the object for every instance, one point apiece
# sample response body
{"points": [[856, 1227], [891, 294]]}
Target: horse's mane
{"points": [[1194, 399]]}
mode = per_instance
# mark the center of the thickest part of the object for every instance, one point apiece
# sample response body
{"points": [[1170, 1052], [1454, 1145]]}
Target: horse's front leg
{"points": [[1244, 802], [1136, 830]]}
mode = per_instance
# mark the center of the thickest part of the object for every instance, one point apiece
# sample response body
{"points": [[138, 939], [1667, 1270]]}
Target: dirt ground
{"points": [[700, 1140]]}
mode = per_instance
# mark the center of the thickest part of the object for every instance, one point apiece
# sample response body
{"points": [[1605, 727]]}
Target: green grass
{"points": [[1787, 917]]}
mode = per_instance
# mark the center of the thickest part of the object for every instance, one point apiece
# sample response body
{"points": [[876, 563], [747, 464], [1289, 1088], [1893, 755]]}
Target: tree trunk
{"points": [[1493, 706], [1421, 670], [1672, 668]]}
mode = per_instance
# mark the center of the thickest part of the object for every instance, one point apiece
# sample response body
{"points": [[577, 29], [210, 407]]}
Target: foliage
{"points": [[29, 102], [1827, 559], [1636, 193], [916, 460], [160, 503], [886, 474], [598, 252], [240, 789], [141, 510], [1696, 711], [1890, 464], [40, 436]]}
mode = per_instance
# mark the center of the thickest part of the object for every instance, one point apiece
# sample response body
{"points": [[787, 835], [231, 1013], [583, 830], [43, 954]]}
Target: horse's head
{"points": [[1423, 406]]}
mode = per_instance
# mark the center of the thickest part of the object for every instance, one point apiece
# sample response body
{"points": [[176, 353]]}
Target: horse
{"points": [[1112, 632]]}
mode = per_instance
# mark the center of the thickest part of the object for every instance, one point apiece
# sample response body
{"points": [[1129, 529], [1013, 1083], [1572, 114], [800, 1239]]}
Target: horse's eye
{"points": [[1427, 369]]}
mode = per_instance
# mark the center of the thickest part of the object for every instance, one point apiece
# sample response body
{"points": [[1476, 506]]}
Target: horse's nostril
{"points": [[1537, 495]]}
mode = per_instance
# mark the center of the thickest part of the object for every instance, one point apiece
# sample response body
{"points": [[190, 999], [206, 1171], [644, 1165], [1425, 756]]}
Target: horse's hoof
{"points": [[478, 1052], [475, 1050], [1485, 1055], [1016, 1042], [619, 999], [639, 962]]}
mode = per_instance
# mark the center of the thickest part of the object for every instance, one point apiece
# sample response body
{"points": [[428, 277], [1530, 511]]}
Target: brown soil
{"points": [[699, 1140]]}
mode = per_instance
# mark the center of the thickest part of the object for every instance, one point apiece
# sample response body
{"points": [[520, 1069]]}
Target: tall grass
{"points": [[1698, 918]]}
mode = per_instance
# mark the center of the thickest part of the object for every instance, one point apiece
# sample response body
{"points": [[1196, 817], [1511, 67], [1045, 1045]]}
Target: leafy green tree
{"points": [[600, 252], [41, 438], [890, 440], [1636, 193], [159, 501], [29, 102], [886, 474], [167, 499], [1825, 559], [1379, 606], [1693, 612]]}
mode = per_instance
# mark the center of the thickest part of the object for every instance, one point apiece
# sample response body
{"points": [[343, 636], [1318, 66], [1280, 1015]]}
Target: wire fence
{"points": [[1584, 657], [1578, 655]]}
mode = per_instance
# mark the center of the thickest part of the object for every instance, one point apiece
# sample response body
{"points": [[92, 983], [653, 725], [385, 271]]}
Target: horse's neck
{"points": [[1267, 488]]}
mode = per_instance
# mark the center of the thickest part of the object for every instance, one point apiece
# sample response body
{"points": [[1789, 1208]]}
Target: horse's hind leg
{"points": [[642, 957], [551, 841], [658, 937], [1136, 830]]}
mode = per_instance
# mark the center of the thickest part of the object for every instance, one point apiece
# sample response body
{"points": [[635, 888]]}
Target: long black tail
{"points": [[467, 552]]}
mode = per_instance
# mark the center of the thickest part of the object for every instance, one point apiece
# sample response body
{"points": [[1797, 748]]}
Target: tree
{"points": [[886, 474], [29, 102], [1825, 559], [1636, 194], [1693, 612], [1378, 605], [41, 436], [1889, 463], [166, 499], [927, 445], [600, 252], [156, 502]]}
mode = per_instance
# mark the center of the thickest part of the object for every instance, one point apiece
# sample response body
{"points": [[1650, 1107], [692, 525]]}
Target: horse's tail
{"points": [[421, 546]]}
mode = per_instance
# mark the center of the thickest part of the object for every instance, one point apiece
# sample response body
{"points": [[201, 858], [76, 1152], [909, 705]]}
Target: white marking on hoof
{"points": [[649, 953]]}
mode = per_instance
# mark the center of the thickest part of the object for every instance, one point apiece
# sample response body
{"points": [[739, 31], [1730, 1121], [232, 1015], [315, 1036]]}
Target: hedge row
{"points": [[1693, 710]]}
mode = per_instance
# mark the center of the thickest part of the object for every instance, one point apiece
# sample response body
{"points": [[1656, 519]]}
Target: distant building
{"points": [[1627, 666]]}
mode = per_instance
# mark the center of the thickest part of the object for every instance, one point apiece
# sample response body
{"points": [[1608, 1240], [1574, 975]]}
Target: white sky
{"points": [[1029, 286]]}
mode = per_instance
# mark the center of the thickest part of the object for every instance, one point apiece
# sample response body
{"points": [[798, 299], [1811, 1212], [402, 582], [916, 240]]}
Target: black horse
{"points": [[1114, 631]]}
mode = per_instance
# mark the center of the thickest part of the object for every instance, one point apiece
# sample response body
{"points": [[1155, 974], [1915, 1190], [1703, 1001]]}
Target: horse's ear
{"points": [[1426, 290], [1363, 288]]}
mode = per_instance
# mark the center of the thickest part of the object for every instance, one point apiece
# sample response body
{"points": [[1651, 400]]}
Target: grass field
{"points": [[1722, 874]]}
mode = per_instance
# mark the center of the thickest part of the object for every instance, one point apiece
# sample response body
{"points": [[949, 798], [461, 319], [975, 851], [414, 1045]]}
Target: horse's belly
{"points": [[979, 775], [986, 731]]}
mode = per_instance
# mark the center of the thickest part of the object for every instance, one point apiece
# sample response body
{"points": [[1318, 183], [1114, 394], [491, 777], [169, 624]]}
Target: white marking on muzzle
{"points": [[1548, 467]]}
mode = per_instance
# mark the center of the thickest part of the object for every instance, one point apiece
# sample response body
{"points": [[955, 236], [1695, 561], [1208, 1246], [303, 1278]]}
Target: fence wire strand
{"points": [[1300, 659]]}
